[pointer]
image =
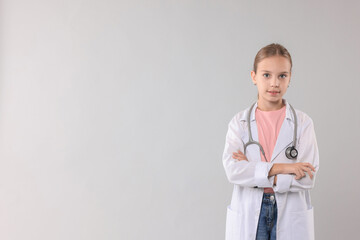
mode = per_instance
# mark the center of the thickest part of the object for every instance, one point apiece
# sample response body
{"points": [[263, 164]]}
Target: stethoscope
{"points": [[290, 152]]}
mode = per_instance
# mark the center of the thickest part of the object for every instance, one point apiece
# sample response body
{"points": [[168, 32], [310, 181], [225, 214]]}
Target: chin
{"points": [[274, 99]]}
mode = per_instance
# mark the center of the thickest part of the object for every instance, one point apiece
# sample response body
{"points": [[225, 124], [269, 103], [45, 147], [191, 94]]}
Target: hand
{"points": [[298, 169], [239, 156]]}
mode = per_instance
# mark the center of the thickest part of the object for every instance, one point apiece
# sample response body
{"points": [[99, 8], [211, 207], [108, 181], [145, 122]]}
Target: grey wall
{"points": [[113, 114]]}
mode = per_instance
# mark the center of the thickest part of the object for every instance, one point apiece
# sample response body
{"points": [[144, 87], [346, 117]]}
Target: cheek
{"points": [[262, 87]]}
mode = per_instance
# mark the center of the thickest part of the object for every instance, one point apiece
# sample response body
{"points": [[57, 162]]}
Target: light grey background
{"points": [[113, 114]]}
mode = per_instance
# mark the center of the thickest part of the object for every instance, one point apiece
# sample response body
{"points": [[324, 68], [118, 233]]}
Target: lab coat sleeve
{"points": [[244, 173], [307, 152]]}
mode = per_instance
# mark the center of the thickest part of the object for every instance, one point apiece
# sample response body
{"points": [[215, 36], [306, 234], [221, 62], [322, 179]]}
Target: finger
{"points": [[308, 170], [298, 174], [239, 155], [239, 158], [311, 166], [303, 173], [310, 174]]}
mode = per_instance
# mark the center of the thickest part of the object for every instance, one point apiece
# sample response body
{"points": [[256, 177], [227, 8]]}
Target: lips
{"points": [[273, 93]]}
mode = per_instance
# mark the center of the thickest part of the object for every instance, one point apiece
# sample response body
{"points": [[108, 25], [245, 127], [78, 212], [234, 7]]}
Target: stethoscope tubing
{"points": [[251, 140]]}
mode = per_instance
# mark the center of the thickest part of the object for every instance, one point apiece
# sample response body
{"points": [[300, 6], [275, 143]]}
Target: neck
{"points": [[270, 106]]}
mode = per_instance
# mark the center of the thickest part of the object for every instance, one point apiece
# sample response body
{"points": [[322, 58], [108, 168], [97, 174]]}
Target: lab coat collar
{"points": [[288, 114]]}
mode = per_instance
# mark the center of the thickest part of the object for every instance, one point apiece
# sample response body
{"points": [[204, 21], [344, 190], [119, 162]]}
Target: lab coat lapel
{"points": [[284, 138], [286, 132]]}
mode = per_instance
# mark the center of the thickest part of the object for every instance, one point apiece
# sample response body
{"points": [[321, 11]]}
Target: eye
{"points": [[284, 76], [266, 74]]}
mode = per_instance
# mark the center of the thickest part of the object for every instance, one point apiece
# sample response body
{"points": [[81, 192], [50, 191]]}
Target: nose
{"points": [[274, 82]]}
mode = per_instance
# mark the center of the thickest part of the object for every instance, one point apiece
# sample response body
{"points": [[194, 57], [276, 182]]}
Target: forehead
{"points": [[274, 63]]}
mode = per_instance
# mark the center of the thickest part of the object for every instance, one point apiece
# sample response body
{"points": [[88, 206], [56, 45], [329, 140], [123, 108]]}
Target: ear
{"points": [[253, 77]]}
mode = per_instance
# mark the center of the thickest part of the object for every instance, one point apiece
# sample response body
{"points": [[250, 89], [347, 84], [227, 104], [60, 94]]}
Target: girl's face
{"points": [[272, 80]]}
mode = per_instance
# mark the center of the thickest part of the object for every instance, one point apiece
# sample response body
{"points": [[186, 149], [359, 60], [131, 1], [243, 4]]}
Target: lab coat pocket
{"points": [[302, 225], [233, 224]]}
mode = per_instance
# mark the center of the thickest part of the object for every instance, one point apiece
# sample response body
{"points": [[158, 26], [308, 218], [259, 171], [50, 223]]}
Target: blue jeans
{"points": [[266, 229]]}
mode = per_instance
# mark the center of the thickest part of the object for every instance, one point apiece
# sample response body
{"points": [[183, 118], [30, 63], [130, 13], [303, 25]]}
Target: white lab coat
{"points": [[295, 219]]}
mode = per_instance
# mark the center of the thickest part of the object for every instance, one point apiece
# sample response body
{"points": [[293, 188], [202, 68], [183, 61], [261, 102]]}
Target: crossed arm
{"points": [[298, 169], [287, 176]]}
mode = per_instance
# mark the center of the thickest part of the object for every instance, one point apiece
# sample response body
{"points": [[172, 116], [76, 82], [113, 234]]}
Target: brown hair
{"points": [[273, 49]]}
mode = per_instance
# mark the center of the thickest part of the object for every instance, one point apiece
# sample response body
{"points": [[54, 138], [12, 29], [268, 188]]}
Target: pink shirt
{"points": [[268, 125]]}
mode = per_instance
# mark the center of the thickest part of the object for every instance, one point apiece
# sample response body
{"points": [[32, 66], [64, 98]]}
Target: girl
{"points": [[273, 173]]}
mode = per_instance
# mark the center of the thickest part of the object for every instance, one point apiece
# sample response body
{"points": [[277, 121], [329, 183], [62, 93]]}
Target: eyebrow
{"points": [[270, 71]]}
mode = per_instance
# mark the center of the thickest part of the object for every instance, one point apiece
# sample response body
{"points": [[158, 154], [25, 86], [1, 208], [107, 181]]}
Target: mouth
{"points": [[273, 92]]}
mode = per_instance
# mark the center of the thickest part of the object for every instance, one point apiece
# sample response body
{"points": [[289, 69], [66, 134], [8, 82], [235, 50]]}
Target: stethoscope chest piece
{"points": [[291, 152]]}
